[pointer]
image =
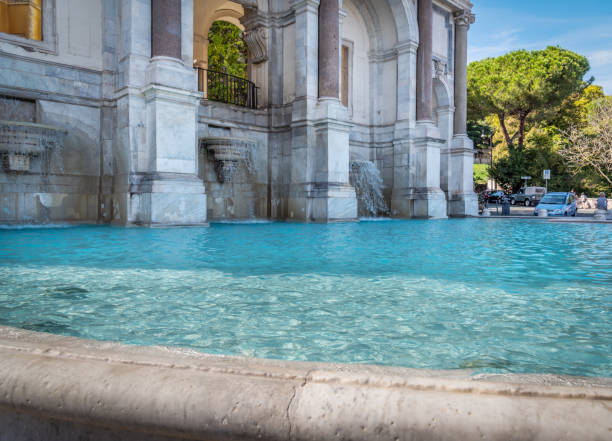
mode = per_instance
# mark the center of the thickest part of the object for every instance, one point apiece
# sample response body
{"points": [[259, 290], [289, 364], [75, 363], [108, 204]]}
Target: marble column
{"points": [[425, 198], [424, 91], [462, 23], [320, 189], [166, 28], [462, 199], [329, 49]]}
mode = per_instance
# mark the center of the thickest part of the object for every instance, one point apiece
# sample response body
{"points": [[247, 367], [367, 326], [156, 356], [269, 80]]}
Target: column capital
{"points": [[464, 18]]}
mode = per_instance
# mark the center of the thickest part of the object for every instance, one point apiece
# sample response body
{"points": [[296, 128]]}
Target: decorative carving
{"points": [[464, 18], [257, 42], [440, 68]]}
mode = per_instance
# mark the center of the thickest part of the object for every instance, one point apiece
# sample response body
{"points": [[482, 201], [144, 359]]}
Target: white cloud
{"points": [[600, 58]]}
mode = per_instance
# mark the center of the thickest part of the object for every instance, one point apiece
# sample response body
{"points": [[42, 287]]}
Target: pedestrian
{"points": [[584, 201], [602, 202], [505, 205]]}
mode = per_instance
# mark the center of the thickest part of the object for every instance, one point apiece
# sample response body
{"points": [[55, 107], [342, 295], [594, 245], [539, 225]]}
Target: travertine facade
{"points": [[382, 81]]}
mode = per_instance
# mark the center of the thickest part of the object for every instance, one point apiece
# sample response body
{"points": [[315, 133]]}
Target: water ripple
{"points": [[518, 296]]}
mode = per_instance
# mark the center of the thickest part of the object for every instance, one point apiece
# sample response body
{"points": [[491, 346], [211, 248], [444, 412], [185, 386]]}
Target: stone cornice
{"points": [[300, 6], [454, 5], [407, 46]]}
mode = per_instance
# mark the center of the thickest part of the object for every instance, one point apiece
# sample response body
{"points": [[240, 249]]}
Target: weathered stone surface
{"points": [[64, 388], [117, 75]]}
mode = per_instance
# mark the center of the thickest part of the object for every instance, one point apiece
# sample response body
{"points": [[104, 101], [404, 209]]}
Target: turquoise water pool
{"points": [[494, 295]]}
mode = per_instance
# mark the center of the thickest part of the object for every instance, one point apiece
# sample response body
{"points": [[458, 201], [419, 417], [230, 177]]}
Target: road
{"points": [[520, 210]]}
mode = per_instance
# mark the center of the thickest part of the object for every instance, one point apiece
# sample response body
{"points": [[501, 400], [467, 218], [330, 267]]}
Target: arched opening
{"points": [[221, 53], [368, 89], [227, 51]]}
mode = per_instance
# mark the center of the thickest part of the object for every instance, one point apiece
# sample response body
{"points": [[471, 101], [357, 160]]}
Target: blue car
{"points": [[557, 204]]}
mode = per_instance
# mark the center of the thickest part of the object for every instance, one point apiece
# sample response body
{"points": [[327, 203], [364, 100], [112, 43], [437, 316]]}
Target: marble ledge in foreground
{"points": [[64, 388]]}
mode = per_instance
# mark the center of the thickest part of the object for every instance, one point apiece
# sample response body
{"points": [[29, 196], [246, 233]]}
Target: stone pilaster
{"points": [[158, 127], [462, 199], [320, 189], [423, 197], [256, 36]]}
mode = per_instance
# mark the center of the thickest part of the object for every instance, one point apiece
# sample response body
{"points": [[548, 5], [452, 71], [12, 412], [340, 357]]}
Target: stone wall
{"points": [[128, 112]]}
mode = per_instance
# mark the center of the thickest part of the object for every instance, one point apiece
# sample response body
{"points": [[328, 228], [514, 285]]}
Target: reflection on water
{"points": [[495, 296]]}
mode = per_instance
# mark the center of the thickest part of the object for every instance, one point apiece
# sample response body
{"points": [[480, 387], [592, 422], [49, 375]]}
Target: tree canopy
{"points": [[591, 146], [529, 101], [522, 84]]}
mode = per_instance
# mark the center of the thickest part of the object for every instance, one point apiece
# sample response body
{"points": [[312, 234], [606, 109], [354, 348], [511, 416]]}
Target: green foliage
{"points": [[574, 110], [481, 173], [507, 171], [530, 99], [523, 84], [480, 132], [227, 52]]}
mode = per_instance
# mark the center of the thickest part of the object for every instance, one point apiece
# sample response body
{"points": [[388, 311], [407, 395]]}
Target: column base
{"points": [[323, 203], [422, 203], [463, 205], [161, 199], [462, 199]]}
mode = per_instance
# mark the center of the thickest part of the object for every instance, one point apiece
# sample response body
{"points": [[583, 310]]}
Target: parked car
{"points": [[557, 204], [528, 196], [495, 196]]}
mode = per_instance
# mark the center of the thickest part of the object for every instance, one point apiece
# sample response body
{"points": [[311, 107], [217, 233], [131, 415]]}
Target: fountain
{"points": [[229, 173], [368, 183], [228, 154], [22, 141], [30, 153]]}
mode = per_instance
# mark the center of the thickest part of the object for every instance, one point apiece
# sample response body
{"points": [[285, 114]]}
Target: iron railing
{"points": [[226, 88]]}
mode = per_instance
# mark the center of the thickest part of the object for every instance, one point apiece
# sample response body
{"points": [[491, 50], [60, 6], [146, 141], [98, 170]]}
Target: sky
{"points": [[584, 27]]}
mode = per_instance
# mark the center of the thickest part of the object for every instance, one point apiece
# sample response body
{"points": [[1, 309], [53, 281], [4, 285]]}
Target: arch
{"points": [[229, 15], [205, 13], [377, 33], [443, 118], [442, 91], [406, 22]]}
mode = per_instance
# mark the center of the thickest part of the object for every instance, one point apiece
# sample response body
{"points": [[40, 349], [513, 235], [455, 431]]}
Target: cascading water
{"points": [[20, 141], [31, 157], [368, 183]]}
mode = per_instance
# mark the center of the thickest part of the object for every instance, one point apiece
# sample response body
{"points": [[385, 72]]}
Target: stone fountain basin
{"points": [[25, 138], [19, 141], [227, 148], [56, 387]]}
